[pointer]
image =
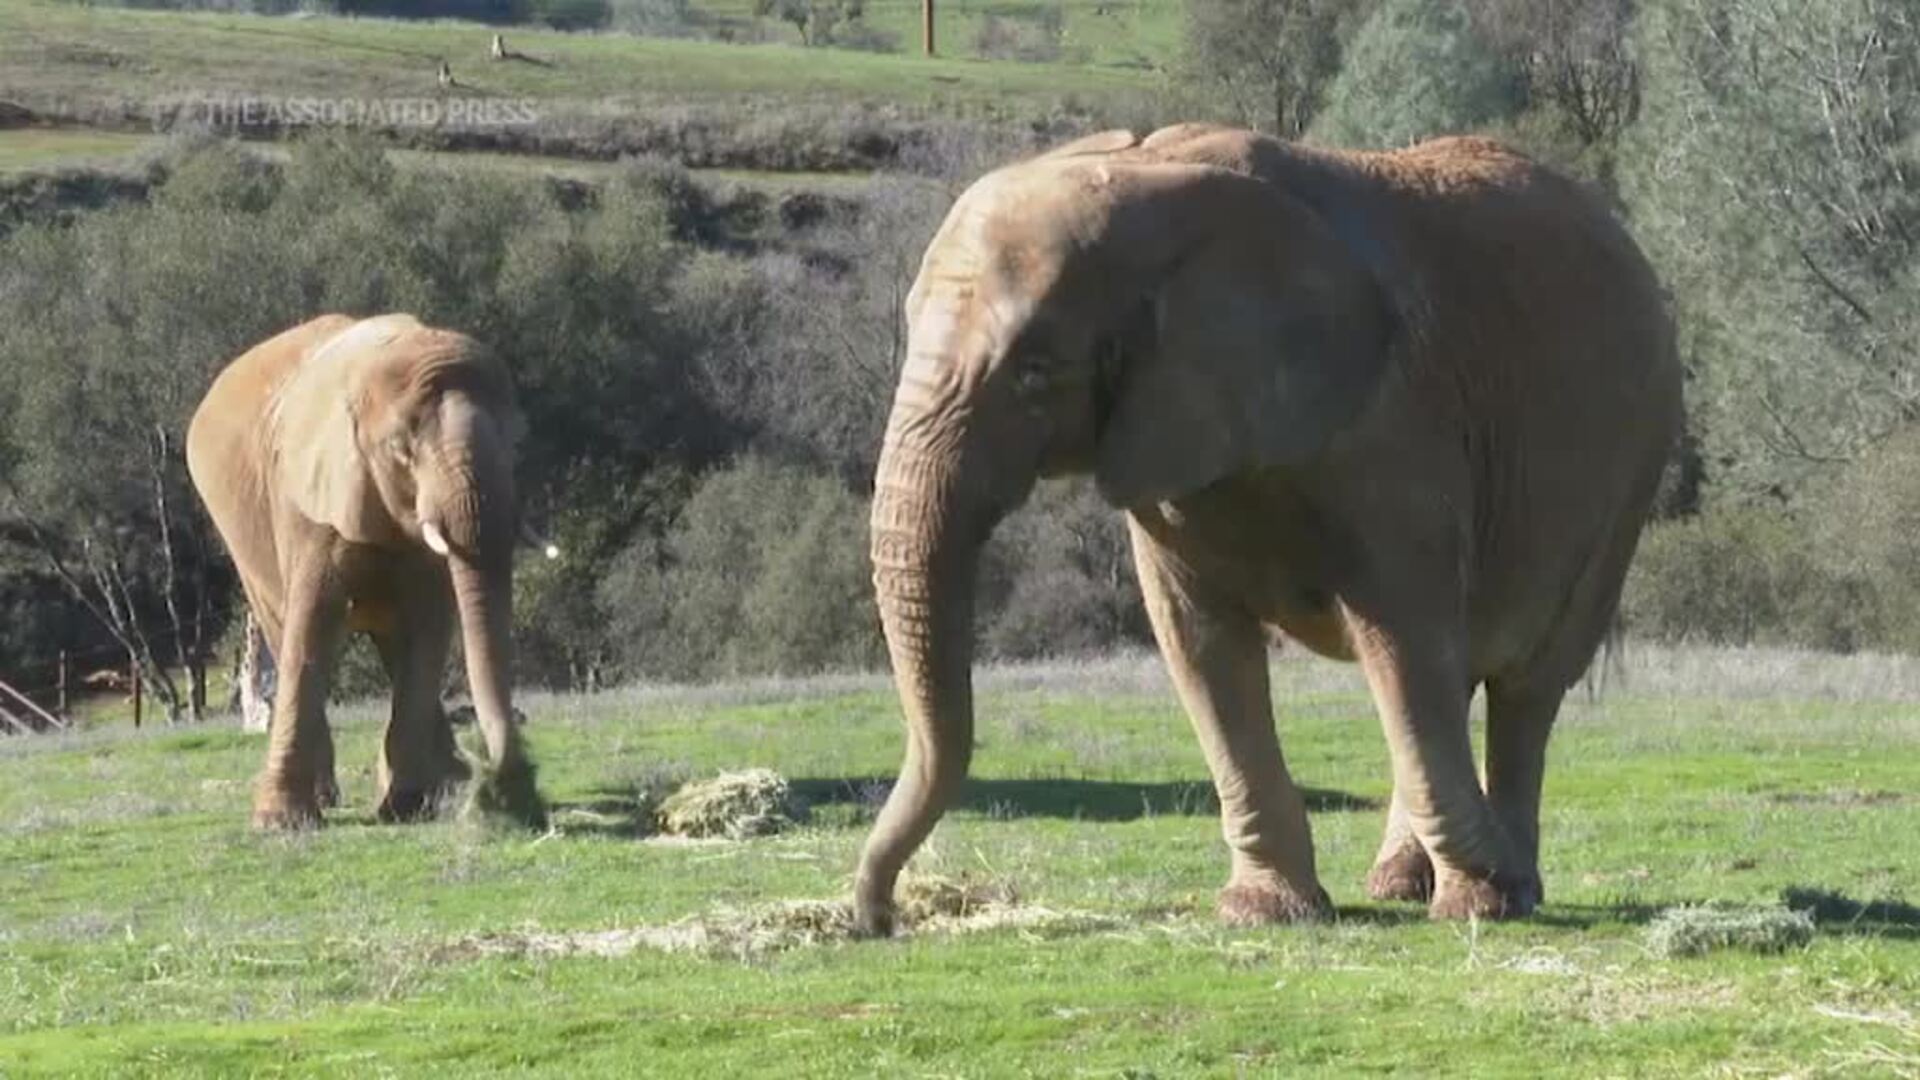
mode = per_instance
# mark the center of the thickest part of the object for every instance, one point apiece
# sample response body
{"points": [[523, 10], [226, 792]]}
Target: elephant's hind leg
{"points": [[1519, 721], [1402, 870], [299, 746], [1217, 657], [1420, 688]]}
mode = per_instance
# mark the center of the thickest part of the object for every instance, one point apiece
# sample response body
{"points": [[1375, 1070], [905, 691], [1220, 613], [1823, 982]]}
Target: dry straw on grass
{"points": [[1695, 930], [734, 805], [928, 904]]}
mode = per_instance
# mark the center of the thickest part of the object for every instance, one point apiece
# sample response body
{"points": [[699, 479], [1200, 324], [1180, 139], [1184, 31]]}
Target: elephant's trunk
{"points": [[475, 509], [926, 540]]}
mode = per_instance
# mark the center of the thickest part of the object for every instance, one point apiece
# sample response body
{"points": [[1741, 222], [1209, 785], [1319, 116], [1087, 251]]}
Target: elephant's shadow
{"points": [[1834, 914], [1075, 799]]}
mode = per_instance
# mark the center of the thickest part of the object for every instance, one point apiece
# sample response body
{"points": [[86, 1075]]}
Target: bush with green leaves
{"points": [[1269, 61], [1417, 69], [1742, 575], [1058, 580], [765, 570], [1772, 177]]}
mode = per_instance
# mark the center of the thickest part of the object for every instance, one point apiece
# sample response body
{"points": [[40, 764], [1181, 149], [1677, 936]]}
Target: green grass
{"points": [[68, 54], [25, 149], [145, 931], [1139, 34]]}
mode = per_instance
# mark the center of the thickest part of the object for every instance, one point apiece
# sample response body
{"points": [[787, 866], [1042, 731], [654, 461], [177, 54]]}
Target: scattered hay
{"points": [[734, 805], [920, 897], [1695, 930], [929, 904]]}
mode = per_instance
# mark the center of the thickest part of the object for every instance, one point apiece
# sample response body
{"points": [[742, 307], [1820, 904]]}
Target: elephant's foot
{"points": [[420, 799], [508, 793], [873, 918], [1265, 901], [1404, 874], [412, 803], [281, 806], [1467, 895]]}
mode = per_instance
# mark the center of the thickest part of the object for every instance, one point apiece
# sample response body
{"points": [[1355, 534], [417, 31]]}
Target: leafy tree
{"points": [[1417, 69], [1270, 61], [1576, 56], [1774, 179]]}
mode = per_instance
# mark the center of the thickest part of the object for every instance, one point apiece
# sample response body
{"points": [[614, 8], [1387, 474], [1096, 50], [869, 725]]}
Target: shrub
{"points": [[1034, 40], [1417, 69], [1867, 529], [1743, 575], [1058, 579], [765, 570]]}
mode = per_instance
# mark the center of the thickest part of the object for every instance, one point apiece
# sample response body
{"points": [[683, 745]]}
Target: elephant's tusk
{"points": [[437, 540]]}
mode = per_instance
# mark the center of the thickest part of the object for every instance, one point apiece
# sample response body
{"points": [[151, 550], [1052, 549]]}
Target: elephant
{"points": [[1406, 408], [360, 472]]}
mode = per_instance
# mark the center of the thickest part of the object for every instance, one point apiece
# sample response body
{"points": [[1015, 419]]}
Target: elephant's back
{"points": [[224, 431]]}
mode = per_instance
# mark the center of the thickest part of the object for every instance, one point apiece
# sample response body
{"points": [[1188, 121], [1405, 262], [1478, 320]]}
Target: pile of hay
{"points": [[735, 805], [1695, 930]]}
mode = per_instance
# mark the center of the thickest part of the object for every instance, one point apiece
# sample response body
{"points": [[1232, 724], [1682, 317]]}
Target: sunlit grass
{"points": [[145, 930]]}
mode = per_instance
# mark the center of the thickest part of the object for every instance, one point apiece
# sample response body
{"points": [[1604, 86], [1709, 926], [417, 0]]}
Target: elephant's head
{"points": [[1161, 324], [395, 434]]}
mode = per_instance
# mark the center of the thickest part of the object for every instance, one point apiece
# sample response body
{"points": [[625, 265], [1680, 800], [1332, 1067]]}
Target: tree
{"points": [[1776, 180], [1270, 60], [1576, 57], [1417, 69], [814, 19]]}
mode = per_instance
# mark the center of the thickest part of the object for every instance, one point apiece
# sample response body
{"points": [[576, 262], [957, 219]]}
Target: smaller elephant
{"points": [[360, 472]]}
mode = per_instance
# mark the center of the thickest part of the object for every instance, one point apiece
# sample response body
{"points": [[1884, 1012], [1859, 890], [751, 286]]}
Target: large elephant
{"points": [[1407, 408], [361, 474]]}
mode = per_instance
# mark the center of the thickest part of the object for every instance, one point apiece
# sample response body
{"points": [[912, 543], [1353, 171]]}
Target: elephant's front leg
{"points": [[1216, 654], [299, 747], [419, 763], [1417, 671]]}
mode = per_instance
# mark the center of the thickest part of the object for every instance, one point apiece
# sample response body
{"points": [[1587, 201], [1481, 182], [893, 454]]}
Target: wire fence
{"points": [[68, 660]]}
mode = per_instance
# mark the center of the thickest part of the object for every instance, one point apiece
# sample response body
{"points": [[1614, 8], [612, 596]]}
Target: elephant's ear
{"points": [[322, 468], [1266, 337]]}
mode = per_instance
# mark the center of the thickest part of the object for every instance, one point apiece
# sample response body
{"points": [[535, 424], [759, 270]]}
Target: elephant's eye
{"points": [[1032, 376]]}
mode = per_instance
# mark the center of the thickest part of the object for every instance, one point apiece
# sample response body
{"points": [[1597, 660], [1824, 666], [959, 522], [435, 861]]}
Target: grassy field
{"points": [[40, 148], [145, 931], [73, 56], [1141, 34]]}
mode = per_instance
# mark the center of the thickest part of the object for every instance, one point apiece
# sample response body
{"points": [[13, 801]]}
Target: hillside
{"points": [[582, 95]]}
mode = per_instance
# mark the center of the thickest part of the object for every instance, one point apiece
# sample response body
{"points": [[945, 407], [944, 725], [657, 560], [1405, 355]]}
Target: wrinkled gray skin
{"points": [[1407, 408]]}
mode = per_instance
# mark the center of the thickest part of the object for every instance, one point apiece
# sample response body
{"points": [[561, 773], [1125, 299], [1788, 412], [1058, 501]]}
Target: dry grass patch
{"points": [[734, 805], [928, 904], [1695, 930]]}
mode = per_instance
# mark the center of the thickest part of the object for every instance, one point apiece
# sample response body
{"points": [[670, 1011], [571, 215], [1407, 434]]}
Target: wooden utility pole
{"points": [[926, 26]]}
